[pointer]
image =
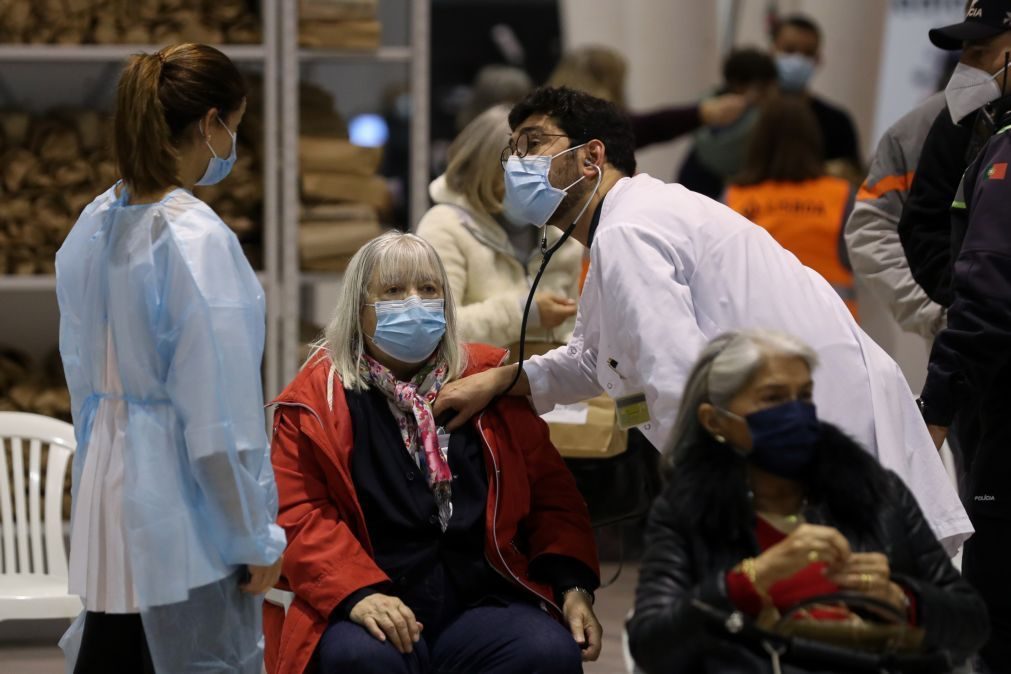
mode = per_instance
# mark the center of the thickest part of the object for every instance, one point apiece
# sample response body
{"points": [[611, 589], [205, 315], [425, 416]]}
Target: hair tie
{"points": [[161, 57]]}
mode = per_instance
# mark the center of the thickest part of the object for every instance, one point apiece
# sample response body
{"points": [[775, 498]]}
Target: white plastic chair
{"points": [[33, 563]]}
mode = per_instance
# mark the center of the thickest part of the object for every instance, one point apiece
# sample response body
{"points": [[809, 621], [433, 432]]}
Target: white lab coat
{"points": [[670, 270]]}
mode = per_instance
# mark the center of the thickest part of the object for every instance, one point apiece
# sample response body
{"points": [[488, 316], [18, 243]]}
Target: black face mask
{"points": [[784, 438]]}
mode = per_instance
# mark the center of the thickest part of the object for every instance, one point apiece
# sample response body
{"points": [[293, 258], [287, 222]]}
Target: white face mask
{"points": [[969, 89]]}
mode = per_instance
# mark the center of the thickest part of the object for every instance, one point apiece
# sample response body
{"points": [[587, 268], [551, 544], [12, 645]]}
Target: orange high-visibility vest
{"points": [[806, 218]]}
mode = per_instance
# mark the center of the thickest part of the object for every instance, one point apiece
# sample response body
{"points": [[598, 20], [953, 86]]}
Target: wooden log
{"points": [[17, 21], [16, 164], [15, 208], [54, 141], [15, 125], [225, 12], [245, 31], [106, 30], [77, 172], [137, 33]]}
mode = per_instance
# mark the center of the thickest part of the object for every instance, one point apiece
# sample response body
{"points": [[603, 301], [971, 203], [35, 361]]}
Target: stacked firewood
{"points": [[52, 166], [129, 21], [339, 24], [341, 191]]}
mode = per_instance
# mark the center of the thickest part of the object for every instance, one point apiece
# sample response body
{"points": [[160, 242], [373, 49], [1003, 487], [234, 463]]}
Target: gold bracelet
{"points": [[749, 570]]}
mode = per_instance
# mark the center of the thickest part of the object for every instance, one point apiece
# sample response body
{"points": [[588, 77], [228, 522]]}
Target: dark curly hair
{"points": [[583, 118]]}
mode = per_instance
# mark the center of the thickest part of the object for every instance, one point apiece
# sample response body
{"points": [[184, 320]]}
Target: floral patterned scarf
{"points": [[411, 404]]}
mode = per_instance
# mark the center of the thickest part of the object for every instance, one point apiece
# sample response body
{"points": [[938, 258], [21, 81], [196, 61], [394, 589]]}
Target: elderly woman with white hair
{"points": [[489, 259], [410, 549], [766, 507]]}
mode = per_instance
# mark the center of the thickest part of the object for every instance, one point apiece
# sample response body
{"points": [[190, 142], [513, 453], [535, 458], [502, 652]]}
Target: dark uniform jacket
{"points": [[970, 363]]}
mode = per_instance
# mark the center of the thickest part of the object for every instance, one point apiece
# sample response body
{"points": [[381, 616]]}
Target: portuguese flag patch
{"points": [[997, 171]]}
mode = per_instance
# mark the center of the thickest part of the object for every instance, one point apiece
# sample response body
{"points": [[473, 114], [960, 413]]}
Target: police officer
{"points": [[970, 368]]}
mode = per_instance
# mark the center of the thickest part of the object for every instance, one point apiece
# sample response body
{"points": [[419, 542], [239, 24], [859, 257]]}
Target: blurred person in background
{"points": [[872, 236], [489, 259], [767, 506], [720, 145], [796, 46], [494, 85], [784, 189], [602, 72]]}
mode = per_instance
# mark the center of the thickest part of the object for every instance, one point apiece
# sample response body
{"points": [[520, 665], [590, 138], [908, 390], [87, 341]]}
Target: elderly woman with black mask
{"points": [[767, 507]]}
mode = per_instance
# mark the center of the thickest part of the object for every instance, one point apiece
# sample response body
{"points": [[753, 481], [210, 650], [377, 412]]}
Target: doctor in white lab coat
{"points": [[671, 269]]}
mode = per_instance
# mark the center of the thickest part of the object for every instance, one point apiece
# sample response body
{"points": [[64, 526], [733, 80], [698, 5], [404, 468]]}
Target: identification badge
{"points": [[632, 411]]}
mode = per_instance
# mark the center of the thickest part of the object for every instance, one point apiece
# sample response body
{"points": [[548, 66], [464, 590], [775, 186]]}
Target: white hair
{"points": [[399, 259], [726, 366]]}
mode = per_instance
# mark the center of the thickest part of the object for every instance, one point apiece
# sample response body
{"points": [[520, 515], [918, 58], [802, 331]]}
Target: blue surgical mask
{"points": [[784, 438], [795, 71], [218, 168], [409, 330], [530, 198]]}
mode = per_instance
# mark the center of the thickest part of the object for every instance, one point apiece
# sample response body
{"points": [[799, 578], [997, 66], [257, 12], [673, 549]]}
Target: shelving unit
{"points": [[265, 55], [416, 56], [106, 53], [282, 60]]}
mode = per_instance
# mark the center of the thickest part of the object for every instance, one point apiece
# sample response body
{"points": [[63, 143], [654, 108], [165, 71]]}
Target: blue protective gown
{"points": [[186, 315]]}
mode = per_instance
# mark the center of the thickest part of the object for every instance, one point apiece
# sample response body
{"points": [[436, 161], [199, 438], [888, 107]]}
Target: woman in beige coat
{"points": [[490, 261]]}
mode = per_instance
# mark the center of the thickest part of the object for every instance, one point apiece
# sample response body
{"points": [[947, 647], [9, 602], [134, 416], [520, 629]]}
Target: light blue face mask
{"points": [[795, 71], [218, 168], [409, 330], [530, 198]]}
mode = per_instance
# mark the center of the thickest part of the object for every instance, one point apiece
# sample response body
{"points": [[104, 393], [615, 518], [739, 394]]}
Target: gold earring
{"points": [[720, 439]]}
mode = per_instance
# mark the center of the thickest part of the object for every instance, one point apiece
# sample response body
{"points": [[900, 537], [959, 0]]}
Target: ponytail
{"points": [[146, 157], [159, 100]]}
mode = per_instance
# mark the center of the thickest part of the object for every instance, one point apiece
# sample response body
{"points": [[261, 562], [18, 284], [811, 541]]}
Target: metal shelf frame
{"points": [[417, 56]]}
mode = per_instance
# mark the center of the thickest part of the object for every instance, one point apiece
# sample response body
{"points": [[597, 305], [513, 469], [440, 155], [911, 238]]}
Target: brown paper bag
{"points": [[337, 10], [337, 155], [350, 35], [371, 190], [336, 265], [338, 213], [587, 430], [320, 240]]}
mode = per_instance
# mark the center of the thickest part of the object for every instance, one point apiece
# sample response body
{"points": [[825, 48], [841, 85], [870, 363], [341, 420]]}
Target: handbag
{"points": [[855, 632], [890, 648]]}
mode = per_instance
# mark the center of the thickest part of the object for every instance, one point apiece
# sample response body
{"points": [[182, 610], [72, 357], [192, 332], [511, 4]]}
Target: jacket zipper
{"points": [[494, 528]]}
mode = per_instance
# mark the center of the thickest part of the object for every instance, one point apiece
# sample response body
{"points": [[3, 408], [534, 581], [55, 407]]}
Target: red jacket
{"points": [[329, 553]]}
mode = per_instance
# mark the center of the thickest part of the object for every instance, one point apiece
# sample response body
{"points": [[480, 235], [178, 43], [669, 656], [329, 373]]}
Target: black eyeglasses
{"points": [[524, 142]]}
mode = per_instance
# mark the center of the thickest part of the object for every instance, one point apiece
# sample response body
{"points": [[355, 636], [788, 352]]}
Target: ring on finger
{"points": [[812, 556], [866, 579]]}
